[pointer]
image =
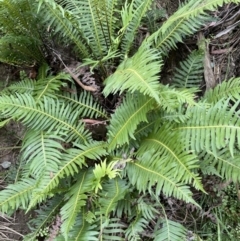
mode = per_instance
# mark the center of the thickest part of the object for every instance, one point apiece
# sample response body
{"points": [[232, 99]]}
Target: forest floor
{"points": [[224, 54]]}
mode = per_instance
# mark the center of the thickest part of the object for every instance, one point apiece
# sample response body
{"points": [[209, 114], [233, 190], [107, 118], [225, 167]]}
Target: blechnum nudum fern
{"points": [[159, 139]]}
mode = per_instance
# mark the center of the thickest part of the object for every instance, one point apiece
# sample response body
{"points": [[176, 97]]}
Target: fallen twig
{"points": [[85, 87]]}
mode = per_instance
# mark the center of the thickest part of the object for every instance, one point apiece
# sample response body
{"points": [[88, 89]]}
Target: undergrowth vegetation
{"points": [[100, 162]]}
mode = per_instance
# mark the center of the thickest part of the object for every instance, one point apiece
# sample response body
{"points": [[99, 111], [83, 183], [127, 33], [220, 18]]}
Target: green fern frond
{"points": [[171, 99], [169, 231], [48, 115], [113, 191], [44, 216], [190, 73], [72, 161], [171, 150], [92, 15], [48, 86], [213, 128], [225, 90], [126, 118], [42, 151], [144, 174], [25, 86], [131, 18], [152, 17], [178, 116], [145, 128], [110, 14], [17, 195], [111, 229], [147, 208], [124, 206], [83, 103], [76, 199], [43, 71], [14, 22], [81, 231], [20, 50], [224, 164], [135, 228], [167, 40], [166, 229], [21, 35], [55, 17], [139, 73], [94, 22], [193, 9]]}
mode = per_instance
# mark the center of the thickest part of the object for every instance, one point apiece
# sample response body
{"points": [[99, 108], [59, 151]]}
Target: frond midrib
{"points": [[76, 200], [206, 127], [83, 105], [59, 173], [129, 119], [71, 127], [169, 34], [165, 178], [178, 160], [112, 199]]}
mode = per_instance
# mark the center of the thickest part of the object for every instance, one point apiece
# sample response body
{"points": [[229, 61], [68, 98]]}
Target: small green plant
{"points": [[159, 137]]}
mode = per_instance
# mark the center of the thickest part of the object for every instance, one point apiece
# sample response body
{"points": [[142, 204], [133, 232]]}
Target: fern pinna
{"points": [[159, 139]]}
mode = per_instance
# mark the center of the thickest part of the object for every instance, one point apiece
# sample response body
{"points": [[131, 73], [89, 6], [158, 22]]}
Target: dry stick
{"points": [[208, 72], [85, 87]]}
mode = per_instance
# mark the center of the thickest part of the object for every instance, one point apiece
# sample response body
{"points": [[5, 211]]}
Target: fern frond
{"points": [[65, 25], [135, 228], [20, 50], [48, 86], [167, 144], [21, 35], [113, 191], [225, 90], [20, 42], [167, 40], [131, 18], [171, 98], [94, 22], [25, 86], [43, 71], [18, 17], [44, 216], [145, 128], [72, 161], [48, 115], [213, 128], [76, 199], [83, 103], [147, 208], [144, 175], [139, 73], [195, 8], [81, 231], [124, 206], [42, 151], [170, 230], [190, 73], [166, 229], [152, 19], [111, 229], [126, 118], [17, 195], [177, 116], [224, 164], [95, 29]]}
